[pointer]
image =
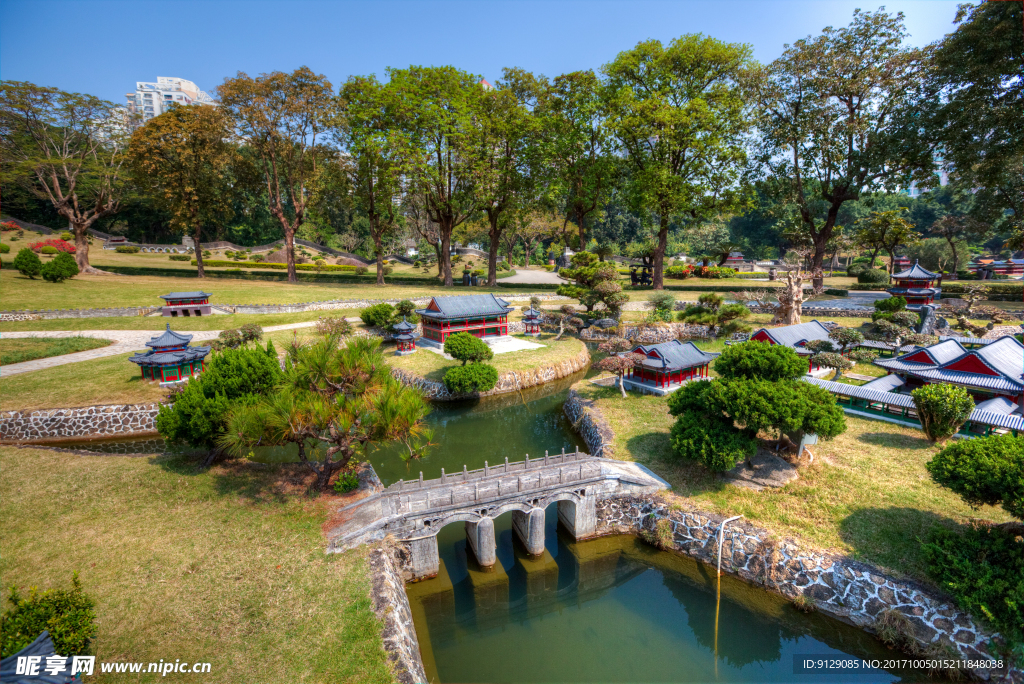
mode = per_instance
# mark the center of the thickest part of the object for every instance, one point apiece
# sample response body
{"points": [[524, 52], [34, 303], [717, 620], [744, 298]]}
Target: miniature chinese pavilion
{"points": [[405, 337], [795, 337], [482, 315], [186, 304], [915, 285], [170, 358], [531, 319], [670, 364]]}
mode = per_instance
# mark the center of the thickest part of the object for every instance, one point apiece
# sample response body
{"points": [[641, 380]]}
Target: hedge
{"points": [[999, 292], [326, 268]]}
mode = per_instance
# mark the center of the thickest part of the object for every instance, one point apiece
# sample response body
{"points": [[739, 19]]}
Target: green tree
{"points": [[60, 268], [27, 263], [761, 360], [183, 158], [65, 148], [677, 114], [594, 282], [467, 348], [984, 471], [379, 315], [435, 110], [334, 398], [887, 230], [720, 318], [280, 116], [942, 409], [476, 377], [618, 360], [827, 120]]}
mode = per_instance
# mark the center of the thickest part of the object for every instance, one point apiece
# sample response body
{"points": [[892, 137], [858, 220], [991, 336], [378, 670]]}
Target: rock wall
{"points": [[851, 591], [587, 419], [511, 381], [47, 314], [391, 604], [88, 421]]}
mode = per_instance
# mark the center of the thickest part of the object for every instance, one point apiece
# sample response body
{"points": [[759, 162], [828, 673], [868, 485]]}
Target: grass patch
{"points": [[225, 566], [29, 348], [109, 380], [433, 366], [866, 494]]}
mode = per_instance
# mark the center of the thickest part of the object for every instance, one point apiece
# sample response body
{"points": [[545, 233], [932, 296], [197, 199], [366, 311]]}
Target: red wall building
{"points": [[481, 315]]}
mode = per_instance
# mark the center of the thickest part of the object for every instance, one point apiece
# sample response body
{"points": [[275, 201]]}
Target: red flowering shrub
{"points": [[714, 272], [56, 243], [9, 225]]}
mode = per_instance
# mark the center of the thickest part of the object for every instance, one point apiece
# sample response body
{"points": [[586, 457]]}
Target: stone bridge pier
{"points": [[414, 512]]}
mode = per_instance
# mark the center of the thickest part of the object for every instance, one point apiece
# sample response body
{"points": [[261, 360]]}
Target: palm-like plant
{"points": [[340, 397]]}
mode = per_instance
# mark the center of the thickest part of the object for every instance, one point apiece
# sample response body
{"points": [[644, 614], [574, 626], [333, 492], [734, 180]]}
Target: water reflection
{"points": [[612, 610]]}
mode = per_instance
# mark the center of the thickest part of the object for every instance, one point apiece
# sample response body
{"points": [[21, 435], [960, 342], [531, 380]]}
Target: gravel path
{"points": [[125, 341], [534, 278]]}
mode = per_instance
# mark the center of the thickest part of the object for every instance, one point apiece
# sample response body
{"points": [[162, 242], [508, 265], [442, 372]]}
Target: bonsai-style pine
{"points": [[719, 317], [594, 283], [618, 362]]}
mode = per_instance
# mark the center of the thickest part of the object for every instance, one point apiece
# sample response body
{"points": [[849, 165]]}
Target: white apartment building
{"points": [[152, 99]]}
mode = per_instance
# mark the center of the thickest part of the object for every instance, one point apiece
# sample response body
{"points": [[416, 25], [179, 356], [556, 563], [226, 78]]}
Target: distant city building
{"points": [[153, 99]]}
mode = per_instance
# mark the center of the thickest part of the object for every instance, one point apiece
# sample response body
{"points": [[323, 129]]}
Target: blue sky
{"points": [[103, 47]]}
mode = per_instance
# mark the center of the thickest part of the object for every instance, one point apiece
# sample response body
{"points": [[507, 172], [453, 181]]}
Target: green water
{"points": [[614, 610]]}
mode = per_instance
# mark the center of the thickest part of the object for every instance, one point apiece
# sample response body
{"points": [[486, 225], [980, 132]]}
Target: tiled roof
{"points": [[156, 358], [915, 272], [1005, 355], [941, 352], [966, 340], [675, 355], [913, 290], [466, 306], [791, 335], [886, 383], [998, 405], [404, 326], [187, 295], [989, 382], [169, 338]]}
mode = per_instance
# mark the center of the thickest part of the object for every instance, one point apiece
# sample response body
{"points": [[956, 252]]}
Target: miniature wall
{"points": [[70, 423]]}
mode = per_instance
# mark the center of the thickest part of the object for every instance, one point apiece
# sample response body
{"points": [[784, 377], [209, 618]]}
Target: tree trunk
{"points": [[200, 272], [622, 385], [80, 229], [446, 254], [790, 301], [437, 251], [378, 249], [289, 250], [956, 260], [494, 234], [659, 253]]}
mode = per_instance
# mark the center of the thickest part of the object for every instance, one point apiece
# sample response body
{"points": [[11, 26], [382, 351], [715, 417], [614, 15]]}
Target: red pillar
{"points": [[810, 365]]}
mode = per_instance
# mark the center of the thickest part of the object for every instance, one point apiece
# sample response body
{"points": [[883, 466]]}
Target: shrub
{"points": [[9, 225], [126, 249], [5, 248], [476, 377], [406, 309], [659, 534], [983, 568], [757, 359], [942, 409], [27, 263], [66, 613], [179, 257], [378, 315], [986, 470], [251, 332], [388, 270], [48, 250], [714, 272], [713, 442], [207, 253], [907, 319], [680, 272], [53, 245], [873, 275], [333, 325], [66, 235], [347, 481], [465, 347], [228, 339], [360, 270], [417, 264], [199, 413], [60, 269], [855, 270], [891, 304]]}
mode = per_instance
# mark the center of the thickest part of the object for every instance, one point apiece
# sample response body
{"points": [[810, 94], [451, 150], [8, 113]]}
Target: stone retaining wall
{"points": [[391, 604], [69, 423], [49, 314], [587, 419], [511, 381]]}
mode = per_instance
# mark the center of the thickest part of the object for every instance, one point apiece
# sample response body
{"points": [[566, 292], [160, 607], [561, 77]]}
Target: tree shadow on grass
{"points": [[654, 450], [892, 537], [257, 482], [895, 441]]}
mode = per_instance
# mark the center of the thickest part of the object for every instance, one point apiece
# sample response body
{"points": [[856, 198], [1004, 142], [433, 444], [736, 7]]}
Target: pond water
{"points": [[614, 609]]}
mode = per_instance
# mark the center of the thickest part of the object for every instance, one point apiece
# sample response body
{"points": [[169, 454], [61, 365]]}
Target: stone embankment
{"points": [[72, 423], [849, 590], [510, 381], [298, 307], [391, 604]]}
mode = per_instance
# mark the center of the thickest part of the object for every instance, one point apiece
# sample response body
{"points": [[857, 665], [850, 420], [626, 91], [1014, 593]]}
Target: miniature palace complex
{"points": [[482, 315], [186, 304], [670, 364], [170, 358]]}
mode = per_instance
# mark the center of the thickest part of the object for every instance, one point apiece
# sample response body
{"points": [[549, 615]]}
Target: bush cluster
{"points": [[476, 377], [714, 272], [52, 246], [680, 272], [126, 249], [27, 263], [347, 481], [333, 325], [66, 613], [5, 248], [873, 275], [9, 225], [181, 257], [61, 268], [330, 268], [467, 348], [378, 316]]}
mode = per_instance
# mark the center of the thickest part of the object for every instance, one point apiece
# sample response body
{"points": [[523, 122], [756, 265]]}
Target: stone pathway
{"points": [[534, 278], [125, 342]]}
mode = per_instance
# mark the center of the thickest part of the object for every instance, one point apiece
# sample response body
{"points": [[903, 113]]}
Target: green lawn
{"points": [[433, 366], [29, 348], [867, 492], [180, 324], [225, 565]]}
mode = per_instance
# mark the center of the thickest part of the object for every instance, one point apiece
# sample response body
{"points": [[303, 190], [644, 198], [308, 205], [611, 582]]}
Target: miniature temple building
{"points": [[482, 315], [668, 365], [915, 285], [170, 358], [405, 337], [531, 319], [987, 268], [900, 262], [734, 259], [989, 372], [186, 304], [795, 337]]}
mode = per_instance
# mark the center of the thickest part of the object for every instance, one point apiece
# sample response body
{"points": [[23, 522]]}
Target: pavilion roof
{"points": [[186, 295], [404, 327], [173, 358], [673, 355], [794, 335], [169, 338], [464, 306], [947, 360], [915, 272]]}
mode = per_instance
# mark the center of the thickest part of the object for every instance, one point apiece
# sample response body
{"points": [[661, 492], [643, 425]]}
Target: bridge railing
{"points": [[488, 471]]}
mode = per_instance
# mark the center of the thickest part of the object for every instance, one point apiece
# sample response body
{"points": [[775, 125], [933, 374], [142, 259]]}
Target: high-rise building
{"points": [[152, 99]]}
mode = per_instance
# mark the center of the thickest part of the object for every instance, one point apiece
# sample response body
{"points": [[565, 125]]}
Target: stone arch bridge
{"points": [[413, 512]]}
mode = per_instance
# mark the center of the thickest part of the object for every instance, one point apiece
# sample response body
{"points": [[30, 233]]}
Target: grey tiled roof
{"points": [[913, 290], [675, 355], [791, 335], [915, 272], [466, 306], [966, 340], [404, 326], [998, 405], [942, 352], [155, 358], [169, 338], [187, 295], [1005, 355], [886, 383]]}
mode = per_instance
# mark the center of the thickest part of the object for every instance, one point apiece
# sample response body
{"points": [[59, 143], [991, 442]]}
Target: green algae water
{"points": [[614, 610]]}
